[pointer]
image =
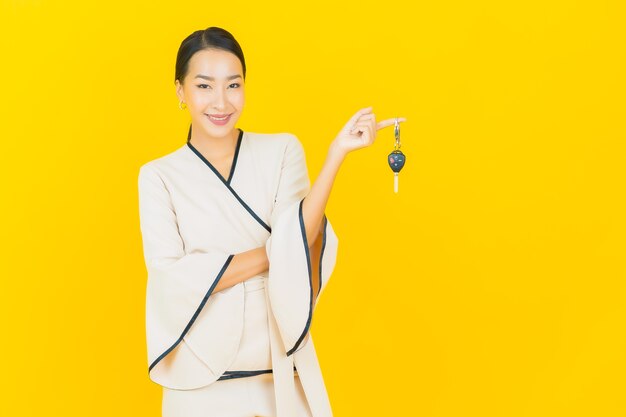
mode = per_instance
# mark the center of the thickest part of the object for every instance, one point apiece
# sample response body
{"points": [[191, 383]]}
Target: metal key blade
{"points": [[395, 182]]}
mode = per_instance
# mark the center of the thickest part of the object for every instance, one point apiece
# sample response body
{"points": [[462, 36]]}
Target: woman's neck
{"points": [[215, 147]]}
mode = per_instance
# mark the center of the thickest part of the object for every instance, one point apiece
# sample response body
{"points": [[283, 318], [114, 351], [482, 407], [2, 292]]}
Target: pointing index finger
{"points": [[389, 122]]}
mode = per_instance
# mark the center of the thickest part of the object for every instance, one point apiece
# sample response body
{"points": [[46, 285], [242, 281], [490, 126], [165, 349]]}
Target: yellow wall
{"points": [[493, 284]]}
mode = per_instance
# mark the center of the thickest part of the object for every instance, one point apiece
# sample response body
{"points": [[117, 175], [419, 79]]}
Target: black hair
{"points": [[212, 37]]}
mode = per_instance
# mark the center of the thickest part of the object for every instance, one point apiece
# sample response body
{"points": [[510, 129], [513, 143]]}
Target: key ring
{"points": [[396, 132], [396, 158]]}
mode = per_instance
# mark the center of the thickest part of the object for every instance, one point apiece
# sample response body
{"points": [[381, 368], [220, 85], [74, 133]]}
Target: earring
{"points": [[396, 158], [180, 105]]}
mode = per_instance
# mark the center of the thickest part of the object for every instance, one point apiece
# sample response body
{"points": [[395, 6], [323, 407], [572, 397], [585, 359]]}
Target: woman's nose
{"points": [[220, 100]]}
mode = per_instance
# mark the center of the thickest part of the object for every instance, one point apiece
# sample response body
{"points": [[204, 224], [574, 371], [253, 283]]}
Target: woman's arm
{"points": [[359, 132], [244, 265], [314, 204]]}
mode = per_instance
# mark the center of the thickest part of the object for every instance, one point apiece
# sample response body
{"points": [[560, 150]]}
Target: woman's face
{"points": [[213, 86]]}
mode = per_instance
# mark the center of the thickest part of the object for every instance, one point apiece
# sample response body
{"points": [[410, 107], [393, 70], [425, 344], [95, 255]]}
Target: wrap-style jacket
{"points": [[193, 221]]}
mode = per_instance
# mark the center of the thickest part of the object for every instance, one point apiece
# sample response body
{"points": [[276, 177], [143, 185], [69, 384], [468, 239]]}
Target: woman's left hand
{"points": [[359, 132]]}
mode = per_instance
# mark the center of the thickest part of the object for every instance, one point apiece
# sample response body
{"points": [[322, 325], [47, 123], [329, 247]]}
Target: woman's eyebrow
{"points": [[206, 77]]}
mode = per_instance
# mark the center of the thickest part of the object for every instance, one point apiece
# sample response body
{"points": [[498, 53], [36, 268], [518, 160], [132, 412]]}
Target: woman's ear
{"points": [[179, 90]]}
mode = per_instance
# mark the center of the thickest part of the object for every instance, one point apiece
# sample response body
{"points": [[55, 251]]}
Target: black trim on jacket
{"points": [[232, 171], [308, 261], [195, 315]]}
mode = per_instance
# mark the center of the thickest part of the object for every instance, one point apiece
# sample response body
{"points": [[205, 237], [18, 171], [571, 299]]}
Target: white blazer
{"points": [[193, 221]]}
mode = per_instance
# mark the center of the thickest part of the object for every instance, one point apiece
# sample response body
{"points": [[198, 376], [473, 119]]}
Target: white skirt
{"points": [[233, 395]]}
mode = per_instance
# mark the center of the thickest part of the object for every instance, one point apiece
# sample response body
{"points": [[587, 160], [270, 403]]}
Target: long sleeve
{"points": [[297, 273], [179, 295], [297, 276]]}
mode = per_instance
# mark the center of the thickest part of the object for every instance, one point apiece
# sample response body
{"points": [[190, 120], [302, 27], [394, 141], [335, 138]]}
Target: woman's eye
{"points": [[204, 86]]}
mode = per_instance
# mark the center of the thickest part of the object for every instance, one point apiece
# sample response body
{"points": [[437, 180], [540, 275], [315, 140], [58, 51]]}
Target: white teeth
{"points": [[219, 119]]}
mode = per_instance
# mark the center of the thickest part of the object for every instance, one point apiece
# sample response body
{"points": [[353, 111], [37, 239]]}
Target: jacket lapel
{"points": [[227, 181]]}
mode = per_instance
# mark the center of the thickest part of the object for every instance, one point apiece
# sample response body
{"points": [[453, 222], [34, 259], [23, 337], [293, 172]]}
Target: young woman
{"points": [[237, 248]]}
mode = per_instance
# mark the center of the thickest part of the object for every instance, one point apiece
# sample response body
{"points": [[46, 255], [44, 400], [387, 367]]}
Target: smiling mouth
{"points": [[218, 117]]}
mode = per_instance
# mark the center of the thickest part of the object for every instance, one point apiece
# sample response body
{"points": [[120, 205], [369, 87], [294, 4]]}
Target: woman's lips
{"points": [[218, 122]]}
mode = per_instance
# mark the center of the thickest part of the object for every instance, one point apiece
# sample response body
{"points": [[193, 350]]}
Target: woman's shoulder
{"points": [[276, 139], [278, 143]]}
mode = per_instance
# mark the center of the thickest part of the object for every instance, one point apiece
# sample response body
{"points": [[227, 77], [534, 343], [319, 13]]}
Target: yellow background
{"points": [[493, 284]]}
